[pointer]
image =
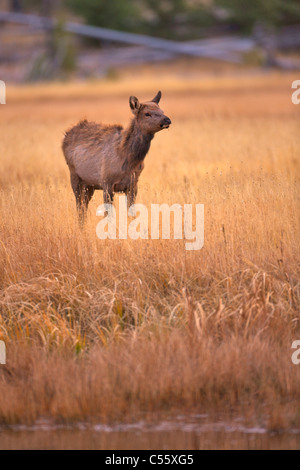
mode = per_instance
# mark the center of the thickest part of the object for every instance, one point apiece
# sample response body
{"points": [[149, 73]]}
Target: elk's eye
{"points": [[147, 114]]}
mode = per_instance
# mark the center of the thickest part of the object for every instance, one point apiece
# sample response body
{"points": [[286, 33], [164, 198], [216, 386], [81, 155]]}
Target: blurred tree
{"points": [[43, 7], [180, 19], [270, 13], [47, 7], [58, 58], [186, 19], [164, 18], [15, 6], [114, 14], [261, 18]]}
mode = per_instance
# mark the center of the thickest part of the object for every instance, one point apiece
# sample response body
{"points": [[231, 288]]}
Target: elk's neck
{"points": [[135, 143]]}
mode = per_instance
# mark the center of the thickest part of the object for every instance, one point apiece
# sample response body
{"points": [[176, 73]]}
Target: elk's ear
{"points": [[134, 104], [157, 98]]}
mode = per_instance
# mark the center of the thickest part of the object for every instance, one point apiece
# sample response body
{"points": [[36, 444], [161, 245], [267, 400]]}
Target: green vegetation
{"points": [[176, 19], [271, 13], [186, 19]]}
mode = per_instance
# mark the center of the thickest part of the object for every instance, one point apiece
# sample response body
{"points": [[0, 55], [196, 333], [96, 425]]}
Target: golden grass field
{"points": [[115, 329]]}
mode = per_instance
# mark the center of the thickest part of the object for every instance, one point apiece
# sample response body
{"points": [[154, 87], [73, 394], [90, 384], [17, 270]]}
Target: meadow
{"points": [[111, 330]]}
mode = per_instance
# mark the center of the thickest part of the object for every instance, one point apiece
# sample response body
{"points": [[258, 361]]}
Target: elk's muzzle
{"points": [[166, 122]]}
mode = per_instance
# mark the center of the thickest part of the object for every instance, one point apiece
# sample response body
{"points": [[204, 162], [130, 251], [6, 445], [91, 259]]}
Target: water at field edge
{"points": [[189, 433]]}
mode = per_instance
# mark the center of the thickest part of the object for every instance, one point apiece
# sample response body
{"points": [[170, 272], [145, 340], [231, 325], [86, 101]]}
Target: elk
{"points": [[109, 157]]}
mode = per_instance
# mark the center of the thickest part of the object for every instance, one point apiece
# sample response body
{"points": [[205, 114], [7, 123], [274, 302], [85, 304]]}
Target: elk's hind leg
{"points": [[83, 194], [86, 195]]}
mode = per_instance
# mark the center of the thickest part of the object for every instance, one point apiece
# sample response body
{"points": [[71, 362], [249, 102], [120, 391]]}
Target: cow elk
{"points": [[109, 157]]}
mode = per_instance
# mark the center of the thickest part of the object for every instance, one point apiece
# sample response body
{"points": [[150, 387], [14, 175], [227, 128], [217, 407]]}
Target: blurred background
{"points": [[101, 318], [67, 39]]}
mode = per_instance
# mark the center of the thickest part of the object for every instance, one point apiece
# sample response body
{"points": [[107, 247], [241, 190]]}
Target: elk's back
{"points": [[91, 151]]}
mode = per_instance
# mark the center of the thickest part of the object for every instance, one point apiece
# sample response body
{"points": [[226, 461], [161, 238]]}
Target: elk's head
{"points": [[149, 116]]}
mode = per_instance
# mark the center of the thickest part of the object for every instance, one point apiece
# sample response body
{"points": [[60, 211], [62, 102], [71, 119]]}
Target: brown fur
{"points": [[109, 157]]}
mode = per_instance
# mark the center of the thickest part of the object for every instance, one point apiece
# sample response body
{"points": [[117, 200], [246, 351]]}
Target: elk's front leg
{"points": [[108, 194], [132, 191]]}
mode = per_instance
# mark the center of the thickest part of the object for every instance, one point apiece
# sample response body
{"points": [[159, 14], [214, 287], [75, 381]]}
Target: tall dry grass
{"points": [[111, 329]]}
